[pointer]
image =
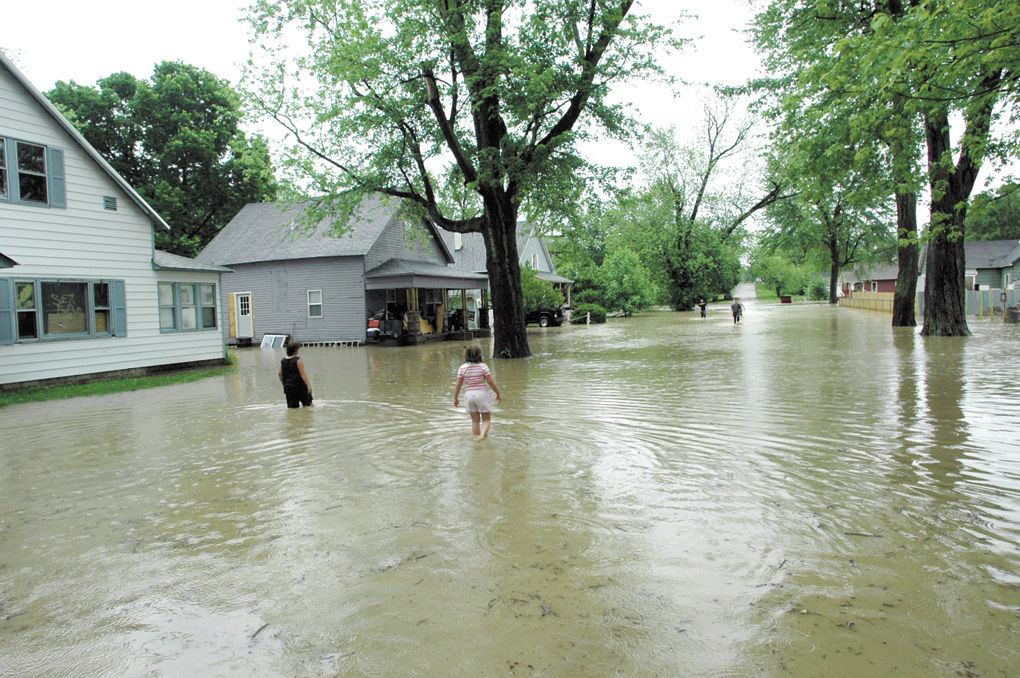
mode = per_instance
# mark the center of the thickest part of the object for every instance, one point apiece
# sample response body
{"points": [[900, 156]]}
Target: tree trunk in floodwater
{"points": [[904, 299], [945, 308], [510, 337]]}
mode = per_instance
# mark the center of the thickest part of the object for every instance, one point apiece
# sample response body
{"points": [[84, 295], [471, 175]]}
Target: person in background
{"points": [[296, 386], [737, 309], [703, 305], [476, 379]]}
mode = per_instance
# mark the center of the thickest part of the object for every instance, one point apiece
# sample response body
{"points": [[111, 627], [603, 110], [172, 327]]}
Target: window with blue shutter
{"points": [[32, 174], [44, 310]]}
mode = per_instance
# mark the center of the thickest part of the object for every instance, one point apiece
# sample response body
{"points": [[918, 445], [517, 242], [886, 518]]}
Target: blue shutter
{"points": [[58, 189], [13, 193], [119, 305], [6, 311]]}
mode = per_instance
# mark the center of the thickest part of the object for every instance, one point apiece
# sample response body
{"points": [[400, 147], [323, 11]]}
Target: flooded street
{"points": [[808, 493]]}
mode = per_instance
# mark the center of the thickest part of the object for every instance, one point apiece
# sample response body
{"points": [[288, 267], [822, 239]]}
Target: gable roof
{"points": [[66, 125], [275, 231], [6, 261], [988, 253], [165, 261], [471, 256]]}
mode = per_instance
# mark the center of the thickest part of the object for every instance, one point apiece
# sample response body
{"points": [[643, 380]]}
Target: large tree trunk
{"points": [[945, 308], [834, 280], [510, 337], [906, 278]]}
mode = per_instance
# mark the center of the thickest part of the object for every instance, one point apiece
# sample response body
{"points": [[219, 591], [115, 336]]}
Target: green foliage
{"points": [[470, 111], [176, 139], [817, 290], [579, 315], [626, 284], [781, 274], [995, 215], [538, 293]]}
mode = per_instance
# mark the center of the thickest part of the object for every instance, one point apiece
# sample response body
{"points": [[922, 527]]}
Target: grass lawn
{"points": [[104, 386], [766, 292]]}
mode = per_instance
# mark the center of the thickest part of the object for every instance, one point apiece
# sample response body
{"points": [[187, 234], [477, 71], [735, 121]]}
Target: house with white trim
{"points": [[83, 291]]}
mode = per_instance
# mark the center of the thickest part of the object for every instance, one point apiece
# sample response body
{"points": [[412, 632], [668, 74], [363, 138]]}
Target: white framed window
{"points": [[186, 307], [64, 309], [31, 173], [314, 303]]}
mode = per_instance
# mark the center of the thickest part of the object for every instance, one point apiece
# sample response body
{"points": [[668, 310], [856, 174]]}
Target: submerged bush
{"points": [[581, 311]]}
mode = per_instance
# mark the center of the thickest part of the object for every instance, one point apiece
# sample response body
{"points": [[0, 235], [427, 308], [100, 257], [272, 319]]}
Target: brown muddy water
{"points": [[809, 493]]}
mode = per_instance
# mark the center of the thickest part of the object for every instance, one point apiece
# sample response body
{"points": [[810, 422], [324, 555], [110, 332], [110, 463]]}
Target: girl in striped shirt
{"points": [[475, 378]]}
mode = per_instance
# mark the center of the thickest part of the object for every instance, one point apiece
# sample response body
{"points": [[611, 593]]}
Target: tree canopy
{"points": [[176, 138], [468, 110]]}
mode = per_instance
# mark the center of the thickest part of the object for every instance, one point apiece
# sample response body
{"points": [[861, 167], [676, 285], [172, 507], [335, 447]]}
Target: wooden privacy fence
{"points": [[982, 303], [870, 301]]}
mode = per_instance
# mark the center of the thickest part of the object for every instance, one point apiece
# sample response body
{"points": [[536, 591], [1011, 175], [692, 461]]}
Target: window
{"points": [[207, 304], [61, 309], [189, 309], [314, 303], [31, 174], [28, 315], [167, 307], [186, 306]]}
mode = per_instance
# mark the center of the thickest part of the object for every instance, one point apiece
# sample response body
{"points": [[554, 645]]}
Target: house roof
{"points": [[275, 231], [402, 272], [64, 123], [991, 253], [878, 271], [165, 261], [472, 257], [6, 261]]}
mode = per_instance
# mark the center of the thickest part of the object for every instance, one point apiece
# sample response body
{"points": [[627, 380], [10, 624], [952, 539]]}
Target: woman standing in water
{"points": [[475, 377], [296, 386]]}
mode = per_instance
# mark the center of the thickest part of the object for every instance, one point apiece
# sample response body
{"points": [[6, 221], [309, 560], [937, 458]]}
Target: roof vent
{"points": [[458, 242], [110, 203]]}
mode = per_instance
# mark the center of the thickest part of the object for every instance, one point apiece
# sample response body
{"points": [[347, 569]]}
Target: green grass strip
{"points": [[105, 386]]}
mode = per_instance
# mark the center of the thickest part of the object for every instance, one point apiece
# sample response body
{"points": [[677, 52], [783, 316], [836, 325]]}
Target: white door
{"points": [[245, 324]]}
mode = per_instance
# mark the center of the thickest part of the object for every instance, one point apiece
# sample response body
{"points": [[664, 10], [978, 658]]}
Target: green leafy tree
{"points": [[470, 111], [780, 272], [995, 215], [899, 70], [177, 140], [626, 284], [704, 219], [538, 293]]}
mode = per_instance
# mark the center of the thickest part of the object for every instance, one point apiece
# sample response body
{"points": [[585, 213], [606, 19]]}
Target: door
{"points": [[245, 323]]}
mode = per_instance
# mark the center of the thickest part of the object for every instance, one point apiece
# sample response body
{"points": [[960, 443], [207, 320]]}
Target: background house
{"points": [[318, 287], [82, 290], [992, 264], [469, 252]]}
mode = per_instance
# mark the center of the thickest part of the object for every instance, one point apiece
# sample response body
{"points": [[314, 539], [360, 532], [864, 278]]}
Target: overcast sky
{"points": [[84, 41]]}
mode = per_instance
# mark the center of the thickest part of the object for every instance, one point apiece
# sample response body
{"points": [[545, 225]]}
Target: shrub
{"points": [[819, 290], [581, 311]]}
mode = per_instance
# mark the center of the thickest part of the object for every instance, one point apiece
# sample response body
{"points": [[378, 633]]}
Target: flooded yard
{"points": [[808, 493]]}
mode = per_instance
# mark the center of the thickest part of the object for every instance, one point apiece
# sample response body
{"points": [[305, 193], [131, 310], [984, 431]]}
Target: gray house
{"points": [[469, 252], [992, 264], [321, 288]]}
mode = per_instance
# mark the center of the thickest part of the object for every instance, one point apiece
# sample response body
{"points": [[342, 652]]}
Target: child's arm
{"points": [[301, 369], [456, 392], [492, 385], [279, 373]]}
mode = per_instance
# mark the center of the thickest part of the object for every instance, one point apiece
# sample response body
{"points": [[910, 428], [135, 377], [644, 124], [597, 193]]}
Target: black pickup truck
{"points": [[547, 316]]}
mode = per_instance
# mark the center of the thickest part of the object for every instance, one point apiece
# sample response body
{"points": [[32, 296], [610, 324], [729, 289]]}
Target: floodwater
{"points": [[808, 493]]}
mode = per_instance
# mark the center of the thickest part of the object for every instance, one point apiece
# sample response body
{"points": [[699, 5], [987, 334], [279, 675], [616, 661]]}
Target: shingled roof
{"points": [[276, 231], [991, 253]]}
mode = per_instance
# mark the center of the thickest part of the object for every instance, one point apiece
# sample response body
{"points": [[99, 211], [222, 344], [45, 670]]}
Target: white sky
{"points": [[85, 41]]}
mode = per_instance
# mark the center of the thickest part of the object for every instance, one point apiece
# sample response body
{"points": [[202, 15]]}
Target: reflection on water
{"points": [[811, 492]]}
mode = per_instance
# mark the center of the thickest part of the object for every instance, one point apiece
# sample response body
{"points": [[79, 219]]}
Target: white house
{"points": [[82, 289]]}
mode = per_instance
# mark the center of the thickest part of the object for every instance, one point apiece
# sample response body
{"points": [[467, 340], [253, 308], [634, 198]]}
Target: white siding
{"points": [[85, 242], [534, 253]]}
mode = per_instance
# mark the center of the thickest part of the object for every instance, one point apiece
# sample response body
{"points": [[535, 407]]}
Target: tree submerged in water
{"points": [[469, 111]]}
